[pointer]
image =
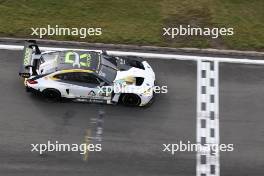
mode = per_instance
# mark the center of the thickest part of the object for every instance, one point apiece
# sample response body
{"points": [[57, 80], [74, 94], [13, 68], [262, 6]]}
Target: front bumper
{"points": [[146, 101]]}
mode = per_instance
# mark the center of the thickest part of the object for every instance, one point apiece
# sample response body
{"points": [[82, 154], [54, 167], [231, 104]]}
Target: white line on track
{"points": [[149, 55]]}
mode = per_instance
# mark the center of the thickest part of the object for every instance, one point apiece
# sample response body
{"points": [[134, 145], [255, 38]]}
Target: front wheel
{"points": [[130, 99], [51, 95]]}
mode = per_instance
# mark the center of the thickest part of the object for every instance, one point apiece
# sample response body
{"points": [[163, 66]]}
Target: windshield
{"points": [[108, 68], [107, 73]]}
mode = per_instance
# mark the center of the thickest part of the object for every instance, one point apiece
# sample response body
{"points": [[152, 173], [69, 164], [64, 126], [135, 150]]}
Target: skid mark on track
{"points": [[94, 133], [87, 140]]}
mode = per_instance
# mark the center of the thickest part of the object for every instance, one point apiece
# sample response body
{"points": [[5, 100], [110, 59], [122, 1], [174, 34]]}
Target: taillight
{"points": [[32, 81]]}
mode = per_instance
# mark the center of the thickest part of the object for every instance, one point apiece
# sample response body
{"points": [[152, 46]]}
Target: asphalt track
{"points": [[132, 137]]}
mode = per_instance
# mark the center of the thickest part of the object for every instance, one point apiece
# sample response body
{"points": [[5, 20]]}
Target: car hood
{"points": [[133, 72]]}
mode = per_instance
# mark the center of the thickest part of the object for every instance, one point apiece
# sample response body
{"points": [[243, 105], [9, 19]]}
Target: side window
{"points": [[79, 77], [59, 76], [89, 78], [66, 76]]}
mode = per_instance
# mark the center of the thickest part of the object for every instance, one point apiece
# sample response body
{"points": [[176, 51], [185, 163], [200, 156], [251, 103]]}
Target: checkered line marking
{"points": [[207, 163]]}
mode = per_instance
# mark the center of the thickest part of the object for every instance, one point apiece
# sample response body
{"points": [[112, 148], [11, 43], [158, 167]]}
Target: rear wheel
{"points": [[130, 99], [52, 95]]}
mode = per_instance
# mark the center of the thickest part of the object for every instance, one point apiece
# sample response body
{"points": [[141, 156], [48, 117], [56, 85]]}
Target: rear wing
{"points": [[27, 65]]}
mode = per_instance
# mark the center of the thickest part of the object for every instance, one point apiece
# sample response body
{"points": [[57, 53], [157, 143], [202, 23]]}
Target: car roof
{"points": [[84, 60], [67, 60]]}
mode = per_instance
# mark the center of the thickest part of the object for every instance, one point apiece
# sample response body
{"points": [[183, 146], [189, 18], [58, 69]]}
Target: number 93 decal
{"points": [[74, 58]]}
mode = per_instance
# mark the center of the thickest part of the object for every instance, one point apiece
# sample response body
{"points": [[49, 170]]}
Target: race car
{"points": [[87, 76]]}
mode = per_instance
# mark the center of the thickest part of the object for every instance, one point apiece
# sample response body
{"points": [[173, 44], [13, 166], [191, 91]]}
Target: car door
{"points": [[84, 85], [90, 87], [75, 86]]}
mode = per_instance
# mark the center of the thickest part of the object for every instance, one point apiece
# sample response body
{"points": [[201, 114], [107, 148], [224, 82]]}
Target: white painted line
{"points": [[11, 47], [20, 47], [149, 55]]}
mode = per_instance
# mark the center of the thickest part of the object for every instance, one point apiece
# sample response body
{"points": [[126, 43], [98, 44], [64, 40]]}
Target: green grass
{"points": [[139, 21]]}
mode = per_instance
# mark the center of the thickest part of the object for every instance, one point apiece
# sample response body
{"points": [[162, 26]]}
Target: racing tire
{"points": [[130, 100], [52, 95]]}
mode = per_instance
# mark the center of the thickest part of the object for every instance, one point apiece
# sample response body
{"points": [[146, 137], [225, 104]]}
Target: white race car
{"points": [[87, 76]]}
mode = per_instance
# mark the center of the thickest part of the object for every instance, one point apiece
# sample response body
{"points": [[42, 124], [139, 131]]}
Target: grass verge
{"points": [[140, 22]]}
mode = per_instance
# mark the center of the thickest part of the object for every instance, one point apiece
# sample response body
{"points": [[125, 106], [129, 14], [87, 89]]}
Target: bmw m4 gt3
{"points": [[87, 76]]}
